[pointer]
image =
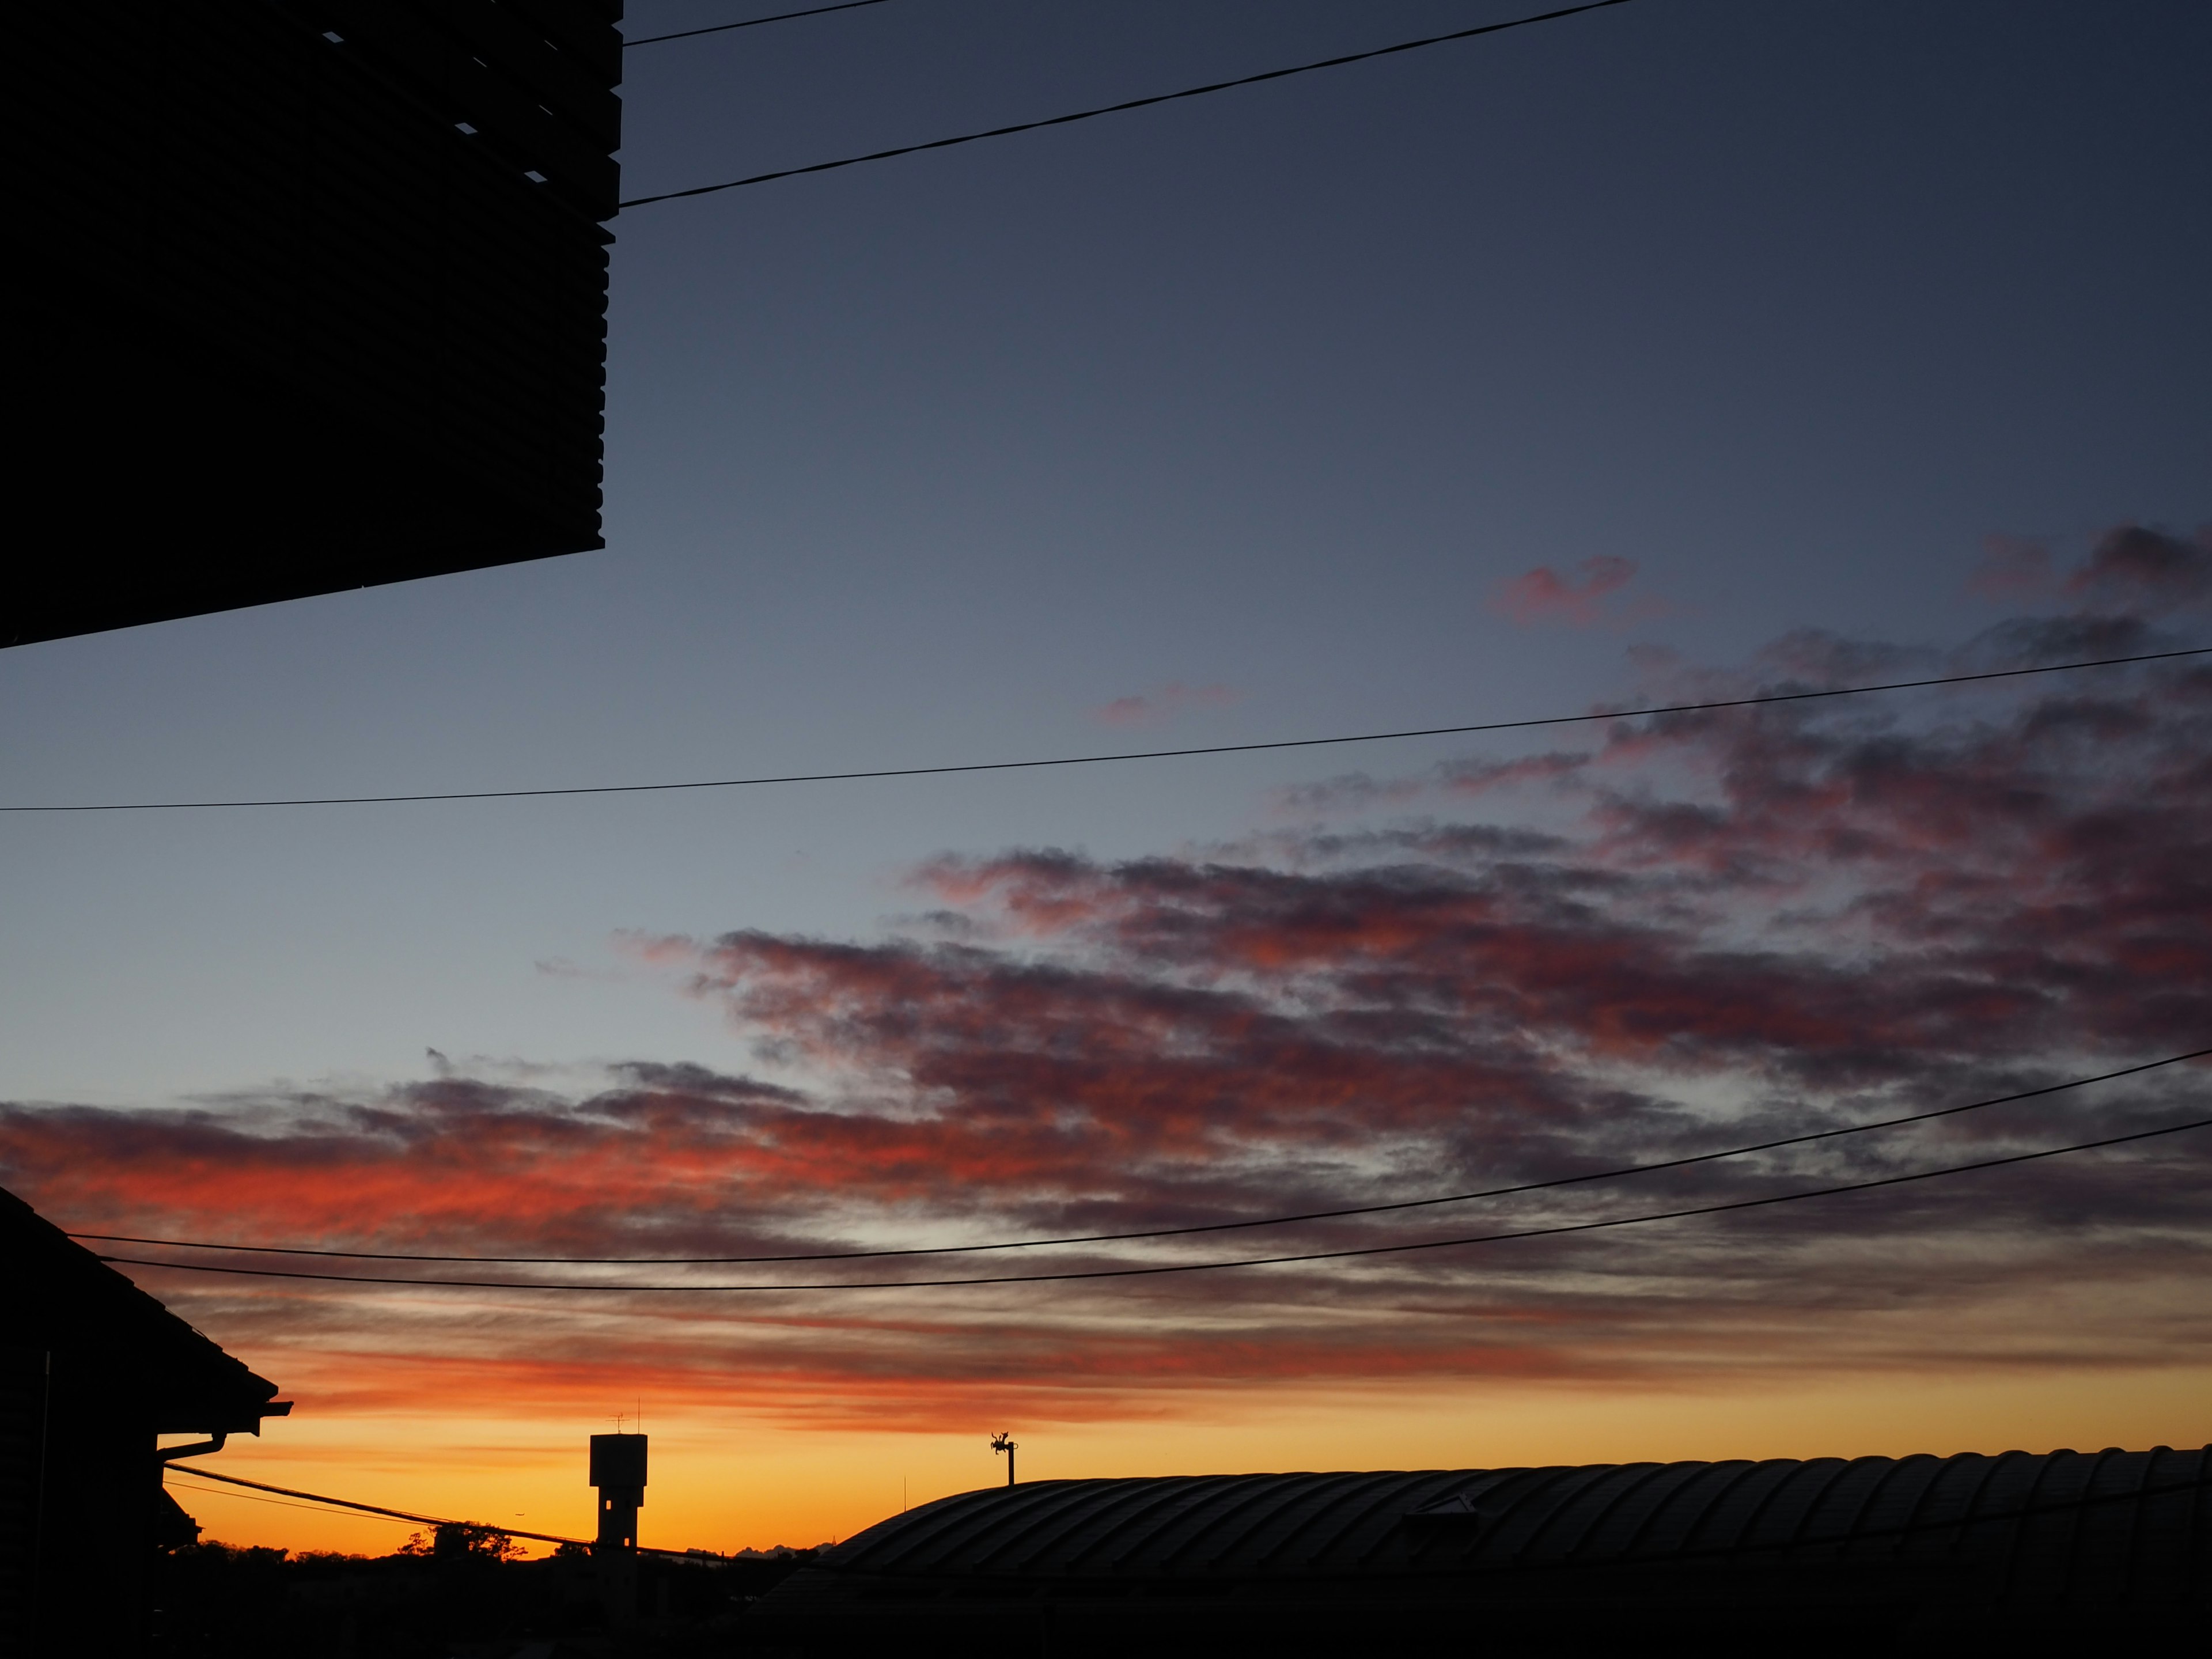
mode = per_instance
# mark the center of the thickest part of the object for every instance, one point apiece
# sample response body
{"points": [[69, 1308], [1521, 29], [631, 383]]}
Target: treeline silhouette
{"points": [[458, 1592]]}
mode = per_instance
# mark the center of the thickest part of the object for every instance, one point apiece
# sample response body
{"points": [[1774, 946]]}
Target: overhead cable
{"points": [[1155, 1270], [278, 1502], [1157, 1232], [403, 1515], [367, 1508], [764, 780], [1130, 104], [750, 22]]}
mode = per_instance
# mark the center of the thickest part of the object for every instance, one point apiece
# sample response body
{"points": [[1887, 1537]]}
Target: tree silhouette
{"points": [[462, 1543]]}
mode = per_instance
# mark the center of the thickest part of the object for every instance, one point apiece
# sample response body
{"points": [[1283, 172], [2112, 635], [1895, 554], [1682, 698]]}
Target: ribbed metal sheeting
{"points": [[2063, 1523]]}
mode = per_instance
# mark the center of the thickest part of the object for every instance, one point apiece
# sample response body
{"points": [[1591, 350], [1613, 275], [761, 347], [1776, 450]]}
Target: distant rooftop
{"points": [[1879, 1546]]}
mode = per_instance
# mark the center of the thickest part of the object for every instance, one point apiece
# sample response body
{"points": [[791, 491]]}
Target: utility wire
{"points": [[749, 23], [1097, 760], [279, 1503], [368, 1509], [1189, 1266], [401, 1514], [1133, 103], [1155, 1232]]}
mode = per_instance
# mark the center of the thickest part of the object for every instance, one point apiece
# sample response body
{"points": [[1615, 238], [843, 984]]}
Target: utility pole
{"points": [[1000, 1444]]}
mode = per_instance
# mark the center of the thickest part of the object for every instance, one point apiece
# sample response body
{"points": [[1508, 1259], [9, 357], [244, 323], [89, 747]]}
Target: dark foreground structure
{"points": [[2062, 1551], [222, 1603], [93, 1369], [306, 294]]}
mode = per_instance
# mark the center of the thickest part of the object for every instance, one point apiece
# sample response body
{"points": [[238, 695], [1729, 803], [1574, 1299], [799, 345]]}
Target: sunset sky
{"points": [[1685, 351]]}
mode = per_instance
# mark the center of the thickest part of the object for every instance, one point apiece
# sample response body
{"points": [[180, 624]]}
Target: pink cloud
{"points": [[1544, 595], [1163, 704]]}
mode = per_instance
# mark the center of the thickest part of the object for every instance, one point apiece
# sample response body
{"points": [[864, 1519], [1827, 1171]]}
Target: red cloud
{"points": [[1751, 922], [1544, 595]]}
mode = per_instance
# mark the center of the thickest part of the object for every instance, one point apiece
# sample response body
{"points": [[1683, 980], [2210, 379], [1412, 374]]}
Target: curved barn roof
{"points": [[2072, 1515]]}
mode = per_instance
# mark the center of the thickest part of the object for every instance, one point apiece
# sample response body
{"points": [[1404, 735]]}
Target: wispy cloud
{"points": [[1544, 595], [2140, 570], [2013, 570], [1736, 924], [2132, 569], [1161, 704]]}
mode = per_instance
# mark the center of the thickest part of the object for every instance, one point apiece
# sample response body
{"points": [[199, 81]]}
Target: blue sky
{"points": [[1794, 307], [1505, 379]]}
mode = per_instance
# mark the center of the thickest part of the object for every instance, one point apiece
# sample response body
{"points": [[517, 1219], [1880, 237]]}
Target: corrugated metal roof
{"points": [[2064, 1520]]}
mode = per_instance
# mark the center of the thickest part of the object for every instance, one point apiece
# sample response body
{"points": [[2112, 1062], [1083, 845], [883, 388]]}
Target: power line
{"points": [[395, 1515], [750, 22], [1159, 1233], [1152, 1271], [1133, 103], [364, 1508], [1098, 760], [279, 1503]]}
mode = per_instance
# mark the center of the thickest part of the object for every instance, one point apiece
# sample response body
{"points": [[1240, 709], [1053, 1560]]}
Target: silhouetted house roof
{"points": [[1739, 1555], [92, 1369], [306, 294]]}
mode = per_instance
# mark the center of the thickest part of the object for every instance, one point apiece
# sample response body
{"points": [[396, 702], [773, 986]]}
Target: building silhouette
{"points": [[309, 294], [92, 1371], [617, 1468], [2019, 1553], [618, 1472]]}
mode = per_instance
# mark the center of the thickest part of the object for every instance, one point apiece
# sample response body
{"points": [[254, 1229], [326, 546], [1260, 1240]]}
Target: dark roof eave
{"points": [[61, 1296]]}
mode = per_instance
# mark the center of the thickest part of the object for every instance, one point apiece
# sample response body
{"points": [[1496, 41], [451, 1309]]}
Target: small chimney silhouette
{"points": [[1004, 1443], [618, 1471]]}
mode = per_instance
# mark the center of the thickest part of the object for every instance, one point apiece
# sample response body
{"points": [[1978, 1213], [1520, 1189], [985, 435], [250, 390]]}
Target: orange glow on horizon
{"points": [[727, 1479]]}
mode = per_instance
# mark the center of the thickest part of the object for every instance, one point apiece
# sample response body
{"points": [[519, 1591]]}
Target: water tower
{"points": [[618, 1471]]}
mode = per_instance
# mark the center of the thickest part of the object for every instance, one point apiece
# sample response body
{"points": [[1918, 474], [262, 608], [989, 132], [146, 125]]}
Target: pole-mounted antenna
{"points": [[1001, 1442]]}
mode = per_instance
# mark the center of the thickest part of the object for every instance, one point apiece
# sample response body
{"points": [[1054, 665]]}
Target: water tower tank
{"points": [[618, 1471]]}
